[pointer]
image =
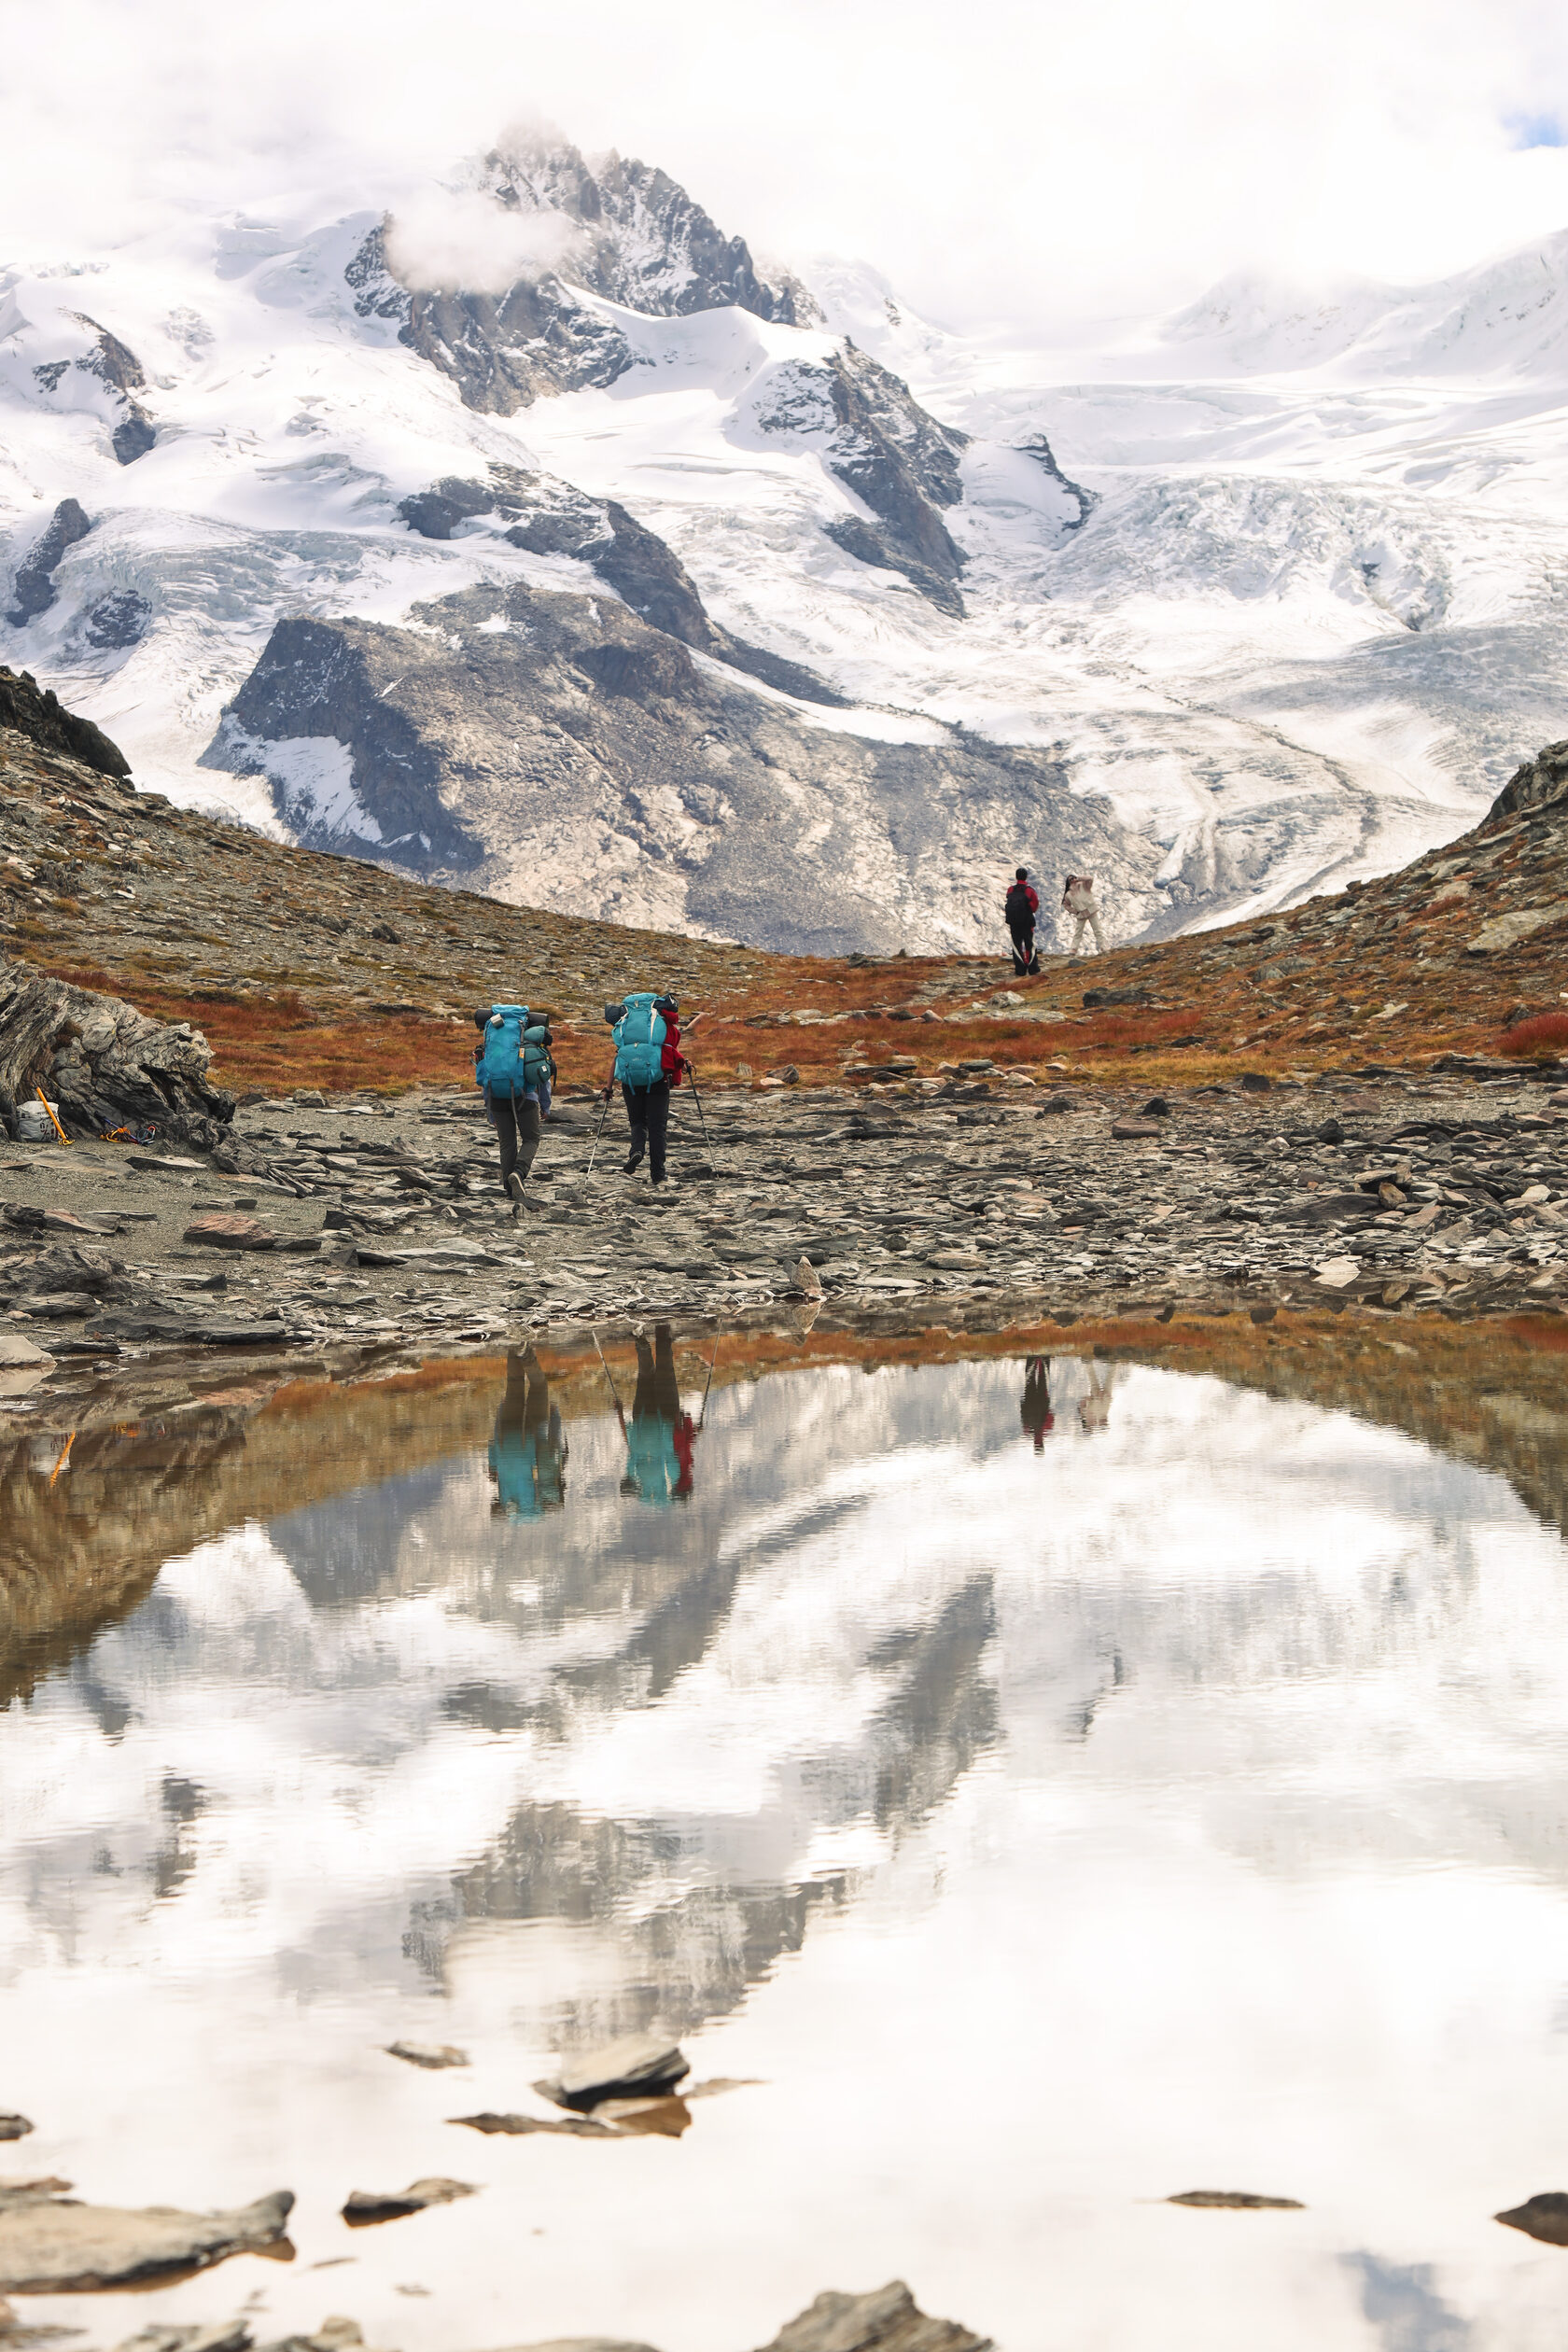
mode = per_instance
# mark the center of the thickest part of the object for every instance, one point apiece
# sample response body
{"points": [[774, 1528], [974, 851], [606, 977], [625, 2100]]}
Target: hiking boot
{"points": [[631, 1165]]}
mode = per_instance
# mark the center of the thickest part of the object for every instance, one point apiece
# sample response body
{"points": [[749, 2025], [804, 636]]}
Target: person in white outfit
{"points": [[1078, 898]]}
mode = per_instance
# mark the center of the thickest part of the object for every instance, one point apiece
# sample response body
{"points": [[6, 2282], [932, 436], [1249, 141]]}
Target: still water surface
{"points": [[1172, 1798]]}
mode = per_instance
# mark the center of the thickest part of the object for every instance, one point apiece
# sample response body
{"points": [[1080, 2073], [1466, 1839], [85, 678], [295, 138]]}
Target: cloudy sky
{"points": [[1009, 166]]}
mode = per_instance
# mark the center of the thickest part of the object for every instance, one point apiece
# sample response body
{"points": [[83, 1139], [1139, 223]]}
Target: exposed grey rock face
{"points": [[54, 2247], [116, 366], [552, 749], [34, 589], [1035, 445], [888, 2320], [642, 240], [1539, 783], [116, 621], [635, 238], [35, 711], [105, 1063], [548, 517], [882, 445]]}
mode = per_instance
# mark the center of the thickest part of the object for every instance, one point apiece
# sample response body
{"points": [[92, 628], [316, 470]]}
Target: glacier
{"points": [[1238, 604]]}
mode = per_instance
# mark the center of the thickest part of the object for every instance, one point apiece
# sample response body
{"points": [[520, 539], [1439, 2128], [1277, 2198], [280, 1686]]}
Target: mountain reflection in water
{"points": [[1062, 1783]]}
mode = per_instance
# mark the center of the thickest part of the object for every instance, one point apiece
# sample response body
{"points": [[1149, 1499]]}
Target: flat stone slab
{"points": [[1134, 1130], [228, 1230], [366, 2206], [427, 2053], [639, 2066], [60, 2247], [1236, 2201], [18, 1354], [520, 2126]]}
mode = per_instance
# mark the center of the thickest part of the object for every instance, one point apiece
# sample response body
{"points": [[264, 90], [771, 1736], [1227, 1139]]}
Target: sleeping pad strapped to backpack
{"points": [[514, 1059], [639, 1040]]}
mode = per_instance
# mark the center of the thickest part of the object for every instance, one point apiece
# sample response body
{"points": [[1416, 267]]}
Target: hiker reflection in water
{"points": [[659, 1437], [1094, 1410], [528, 1451], [1036, 1414]]}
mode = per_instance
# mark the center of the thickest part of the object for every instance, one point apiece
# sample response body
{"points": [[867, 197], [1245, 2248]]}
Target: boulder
{"points": [[34, 711], [58, 2248], [640, 2065], [15, 2127], [1134, 1130], [427, 2053], [365, 2205], [888, 2319], [1546, 2216], [107, 1065]]}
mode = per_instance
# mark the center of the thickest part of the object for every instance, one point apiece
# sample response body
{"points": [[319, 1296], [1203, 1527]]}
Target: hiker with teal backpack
{"points": [[647, 1064], [515, 1070]]}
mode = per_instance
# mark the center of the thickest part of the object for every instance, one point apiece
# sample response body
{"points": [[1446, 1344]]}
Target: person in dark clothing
{"points": [[1020, 907], [661, 1437], [518, 1119], [1038, 1418], [527, 1451], [648, 1117]]}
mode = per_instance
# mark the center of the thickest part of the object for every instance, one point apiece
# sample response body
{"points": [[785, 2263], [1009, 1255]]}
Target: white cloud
{"points": [[1021, 163], [452, 238]]}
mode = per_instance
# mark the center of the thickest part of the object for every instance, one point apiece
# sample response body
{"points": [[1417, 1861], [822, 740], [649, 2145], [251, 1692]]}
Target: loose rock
{"points": [[365, 2205], [640, 2065], [1236, 2201], [1544, 2217], [15, 2127], [427, 2053]]}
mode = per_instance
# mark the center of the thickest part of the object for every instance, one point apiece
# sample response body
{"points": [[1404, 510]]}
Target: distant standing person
{"points": [[1038, 1418], [1078, 900], [1020, 907]]}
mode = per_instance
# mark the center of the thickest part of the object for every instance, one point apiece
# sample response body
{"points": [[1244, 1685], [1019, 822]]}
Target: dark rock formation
{"points": [[35, 712], [119, 369], [1538, 784], [639, 2066], [1544, 2215], [34, 589], [1039, 448], [105, 1063], [637, 238], [882, 445], [518, 732], [116, 621], [550, 518]]}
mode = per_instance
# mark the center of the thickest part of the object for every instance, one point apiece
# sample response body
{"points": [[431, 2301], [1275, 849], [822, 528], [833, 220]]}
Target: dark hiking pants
{"points": [[1023, 945], [518, 1128], [648, 1114]]}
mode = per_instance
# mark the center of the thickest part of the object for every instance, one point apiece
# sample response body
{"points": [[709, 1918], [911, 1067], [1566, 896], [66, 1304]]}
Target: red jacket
{"points": [[670, 1059], [1030, 893]]}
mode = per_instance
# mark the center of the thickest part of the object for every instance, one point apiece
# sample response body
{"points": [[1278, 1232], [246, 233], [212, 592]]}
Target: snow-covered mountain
{"points": [[531, 532]]}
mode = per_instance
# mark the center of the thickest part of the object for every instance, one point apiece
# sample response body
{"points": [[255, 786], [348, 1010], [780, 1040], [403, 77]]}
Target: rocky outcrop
{"points": [[118, 368], [882, 445], [51, 2246], [34, 589], [1540, 783], [105, 1064], [35, 712], [635, 238], [555, 749], [548, 517], [888, 2320], [1036, 446]]}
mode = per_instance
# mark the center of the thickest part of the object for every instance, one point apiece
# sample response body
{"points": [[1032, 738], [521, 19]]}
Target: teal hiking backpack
{"points": [[514, 1059], [639, 1041]]}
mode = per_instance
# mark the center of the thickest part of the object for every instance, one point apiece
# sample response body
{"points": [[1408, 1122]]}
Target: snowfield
{"points": [[1280, 584]]}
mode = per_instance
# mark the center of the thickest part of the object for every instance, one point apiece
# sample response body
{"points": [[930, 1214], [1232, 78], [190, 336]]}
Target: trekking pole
{"points": [[619, 1414], [707, 1385], [604, 1114], [701, 1113]]}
